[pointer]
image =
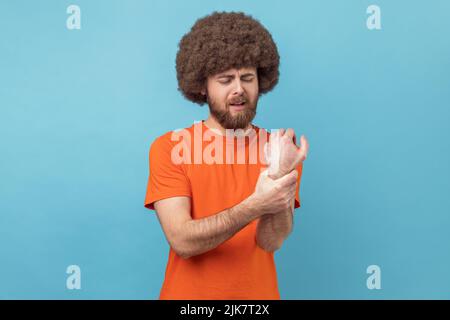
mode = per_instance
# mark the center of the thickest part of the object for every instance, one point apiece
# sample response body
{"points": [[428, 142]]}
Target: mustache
{"points": [[249, 103], [229, 121], [238, 100]]}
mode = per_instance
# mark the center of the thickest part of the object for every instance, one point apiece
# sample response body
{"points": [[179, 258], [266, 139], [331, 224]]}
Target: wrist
{"points": [[254, 207], [276, 175]]}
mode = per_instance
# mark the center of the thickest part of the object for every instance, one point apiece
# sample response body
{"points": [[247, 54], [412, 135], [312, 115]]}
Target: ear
{"points": [[204, 88]]}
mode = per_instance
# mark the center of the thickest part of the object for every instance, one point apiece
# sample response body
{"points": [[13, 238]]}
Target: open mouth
{"points": [[237, 104]]}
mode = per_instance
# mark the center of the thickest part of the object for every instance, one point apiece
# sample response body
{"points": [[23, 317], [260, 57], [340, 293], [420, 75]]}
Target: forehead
{"points": [[237, 72]]}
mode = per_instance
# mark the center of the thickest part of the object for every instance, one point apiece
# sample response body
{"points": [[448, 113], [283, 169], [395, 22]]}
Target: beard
{"points": [[240, 120]]}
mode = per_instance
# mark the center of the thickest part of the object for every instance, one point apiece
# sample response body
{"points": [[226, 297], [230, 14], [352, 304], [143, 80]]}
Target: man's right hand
{"points": [[274, 196]]}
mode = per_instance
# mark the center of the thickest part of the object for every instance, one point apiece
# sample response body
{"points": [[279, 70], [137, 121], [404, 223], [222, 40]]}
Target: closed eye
{"points": [[228, 80]]}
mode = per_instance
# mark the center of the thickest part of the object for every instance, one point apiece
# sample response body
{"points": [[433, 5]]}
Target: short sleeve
{"points": [[166, 179]]}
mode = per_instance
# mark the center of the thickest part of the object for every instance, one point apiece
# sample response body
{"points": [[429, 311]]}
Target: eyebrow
{"points": [[232, 75]]}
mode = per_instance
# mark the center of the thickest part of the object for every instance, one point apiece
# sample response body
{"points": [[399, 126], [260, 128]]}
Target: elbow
{"points": [[187, 245], [181, 252], [182, 248], [271, 246]]}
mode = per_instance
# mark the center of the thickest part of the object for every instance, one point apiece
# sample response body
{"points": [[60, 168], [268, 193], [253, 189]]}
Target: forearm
{"points": [[273, 229], [201, 235]]}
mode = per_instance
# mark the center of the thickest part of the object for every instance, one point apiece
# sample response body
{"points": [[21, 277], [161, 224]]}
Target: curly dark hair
{"points": [[221, 41]]}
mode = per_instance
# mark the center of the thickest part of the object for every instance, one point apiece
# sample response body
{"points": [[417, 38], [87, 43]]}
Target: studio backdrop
{"points": [[86, 86]]}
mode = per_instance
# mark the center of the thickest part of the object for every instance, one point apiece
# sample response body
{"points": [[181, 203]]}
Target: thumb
{"points": [[288, 179], [302, 152]]}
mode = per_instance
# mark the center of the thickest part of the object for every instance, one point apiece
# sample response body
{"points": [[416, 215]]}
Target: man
{"points": [[225, 219]]}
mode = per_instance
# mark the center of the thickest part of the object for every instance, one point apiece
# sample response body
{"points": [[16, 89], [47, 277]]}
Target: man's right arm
{"points": [[190, 237]]}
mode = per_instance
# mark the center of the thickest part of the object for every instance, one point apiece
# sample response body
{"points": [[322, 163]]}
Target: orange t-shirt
{"points": [[238, 268]]}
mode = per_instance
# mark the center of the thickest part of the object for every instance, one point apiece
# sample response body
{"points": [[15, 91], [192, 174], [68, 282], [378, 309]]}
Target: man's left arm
{"points": [[273, 229]]}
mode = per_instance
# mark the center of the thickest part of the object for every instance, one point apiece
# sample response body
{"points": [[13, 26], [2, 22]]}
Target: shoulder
{"points": [[162, 140], [166, 141]]}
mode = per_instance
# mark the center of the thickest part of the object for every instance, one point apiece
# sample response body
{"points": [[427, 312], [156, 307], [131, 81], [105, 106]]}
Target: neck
{"points": [[212, 123]]}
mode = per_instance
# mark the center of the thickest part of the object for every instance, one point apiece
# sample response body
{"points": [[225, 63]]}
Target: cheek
{"points": [[221, 90], [217, 93], [252, 91]]}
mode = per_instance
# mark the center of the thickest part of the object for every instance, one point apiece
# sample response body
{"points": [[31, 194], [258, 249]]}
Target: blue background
{"points": [[80, 108]]}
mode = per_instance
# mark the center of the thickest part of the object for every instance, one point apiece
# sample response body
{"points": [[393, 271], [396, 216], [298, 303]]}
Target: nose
{"points": [[238, 90]]}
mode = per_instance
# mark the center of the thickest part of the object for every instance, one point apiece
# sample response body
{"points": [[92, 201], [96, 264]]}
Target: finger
{"points": [[292, 196], [290, 134], [278, 134], [267, 153], [304, 147], [294, 186], [304, 141], [273, 135], [291, 193]]}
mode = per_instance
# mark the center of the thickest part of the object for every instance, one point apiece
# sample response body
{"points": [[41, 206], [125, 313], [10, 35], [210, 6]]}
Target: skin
{"points": [[273, 199], [289, 154], [225, 88], [273, 229]]}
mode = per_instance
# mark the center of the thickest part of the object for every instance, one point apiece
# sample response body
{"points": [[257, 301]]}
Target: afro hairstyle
{"points": [[219, 42]]}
